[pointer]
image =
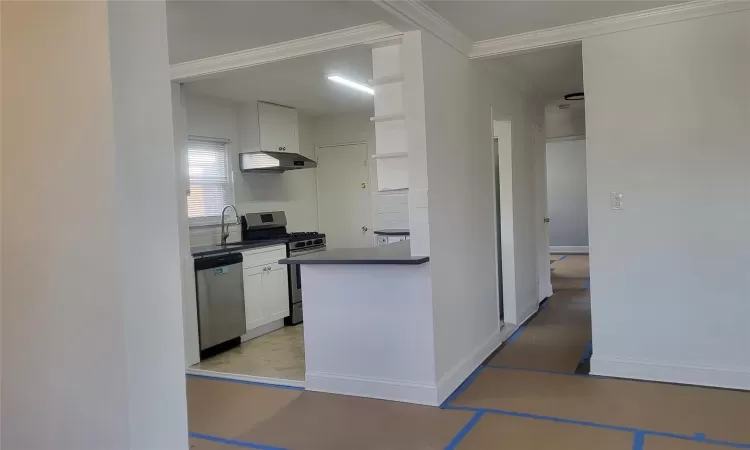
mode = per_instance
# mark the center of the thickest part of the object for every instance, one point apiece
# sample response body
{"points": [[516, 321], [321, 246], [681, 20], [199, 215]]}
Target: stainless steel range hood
{"points": [[255, 162]]}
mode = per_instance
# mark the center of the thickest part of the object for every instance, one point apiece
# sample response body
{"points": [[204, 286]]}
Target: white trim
{"points": [[577, 137], [240, 377], [461, 371], [421, 16], [263, 329], [671, 373], [528, 313], [607, 25], [363, 34], [573, 250], [383, 389]]}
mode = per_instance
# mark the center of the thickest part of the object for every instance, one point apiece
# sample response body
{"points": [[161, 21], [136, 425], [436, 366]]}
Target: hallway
{"points": [[534, 393]]}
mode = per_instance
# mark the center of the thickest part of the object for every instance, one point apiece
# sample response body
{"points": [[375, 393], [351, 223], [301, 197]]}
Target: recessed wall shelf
{"points": [[390, 155], [387, 118], [397, 78]]}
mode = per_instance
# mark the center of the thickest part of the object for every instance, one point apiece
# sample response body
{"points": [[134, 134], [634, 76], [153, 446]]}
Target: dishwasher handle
{"points": [[211, 262]]}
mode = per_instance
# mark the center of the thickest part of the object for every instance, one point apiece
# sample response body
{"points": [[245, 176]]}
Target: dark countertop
{"points": [[210, 250], [396, 253], [393, 232]]}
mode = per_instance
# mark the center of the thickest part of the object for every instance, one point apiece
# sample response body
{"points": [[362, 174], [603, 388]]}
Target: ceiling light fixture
{"points": [[352, 84], [575, 96]]}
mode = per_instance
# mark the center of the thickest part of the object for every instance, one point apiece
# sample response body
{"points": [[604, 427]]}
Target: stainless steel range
{"points": [[271, 226]]}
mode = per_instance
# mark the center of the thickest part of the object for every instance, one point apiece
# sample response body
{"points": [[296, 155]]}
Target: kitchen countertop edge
{"points": [[392, 232], [392, 254], [210, 250]]}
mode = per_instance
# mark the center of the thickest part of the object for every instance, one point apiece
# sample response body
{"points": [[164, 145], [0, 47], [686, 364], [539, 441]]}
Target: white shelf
{"points": [[397, 78], [387, 118], [394, 190], [390, 155]]}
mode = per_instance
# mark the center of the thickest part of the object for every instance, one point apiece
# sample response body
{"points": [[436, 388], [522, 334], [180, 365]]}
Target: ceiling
{"points": [[481, 20], [298, 82], [552, 72], [202, 28]]}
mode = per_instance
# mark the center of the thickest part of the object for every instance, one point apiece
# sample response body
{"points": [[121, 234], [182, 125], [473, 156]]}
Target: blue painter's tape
{"points": [[588, 284], [207, 437], [464, 431], [724, 443], [500, 367], [547, 418], [638, 440], [462, 387], [562, 257], [515, 335], [587, 352], [694, 438], [252, 383]]}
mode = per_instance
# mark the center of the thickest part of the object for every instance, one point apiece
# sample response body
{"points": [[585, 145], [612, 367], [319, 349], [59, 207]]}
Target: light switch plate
{"points": [[616, 200]]}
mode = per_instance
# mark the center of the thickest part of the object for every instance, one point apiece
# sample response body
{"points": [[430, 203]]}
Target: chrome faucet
{"points": [[225, 234]]}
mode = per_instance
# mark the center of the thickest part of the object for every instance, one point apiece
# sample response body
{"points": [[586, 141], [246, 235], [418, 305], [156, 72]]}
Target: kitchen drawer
{"points": [[264, 255]]}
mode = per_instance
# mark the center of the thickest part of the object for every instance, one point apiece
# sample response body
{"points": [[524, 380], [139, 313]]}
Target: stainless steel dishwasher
{"points": [[221, 301]]}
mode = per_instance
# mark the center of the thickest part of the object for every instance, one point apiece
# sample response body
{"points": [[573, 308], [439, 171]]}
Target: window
{"points": [[210, 182]]}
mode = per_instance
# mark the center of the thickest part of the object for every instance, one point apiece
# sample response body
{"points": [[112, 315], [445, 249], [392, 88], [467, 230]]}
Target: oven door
{"points": [[295, 285]]}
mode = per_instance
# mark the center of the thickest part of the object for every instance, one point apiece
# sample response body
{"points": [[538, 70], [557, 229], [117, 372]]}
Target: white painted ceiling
{"points": [[299, 82], [552, 72], [202, 28], [481, 20]]}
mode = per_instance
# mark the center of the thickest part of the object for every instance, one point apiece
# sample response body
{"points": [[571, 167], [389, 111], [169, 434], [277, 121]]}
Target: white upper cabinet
{"points": [[278, 127]]}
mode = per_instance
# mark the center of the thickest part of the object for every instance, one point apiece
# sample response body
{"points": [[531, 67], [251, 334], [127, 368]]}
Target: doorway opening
{"points": [[280, 156], [544, 213]]}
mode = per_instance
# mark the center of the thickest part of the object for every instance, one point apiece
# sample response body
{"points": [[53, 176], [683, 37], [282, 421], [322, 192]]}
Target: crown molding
{"points": [[414, 13], [607, 25], [364, 34]]}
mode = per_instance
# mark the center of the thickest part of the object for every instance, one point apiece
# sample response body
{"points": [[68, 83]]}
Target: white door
{"points": [[344, 195], [252, 279], [542, 215], [275, 292]]}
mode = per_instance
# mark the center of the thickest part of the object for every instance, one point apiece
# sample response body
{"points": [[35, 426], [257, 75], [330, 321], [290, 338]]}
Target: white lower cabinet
{"points": [[266, 286], [275, 293], [253, 284]]}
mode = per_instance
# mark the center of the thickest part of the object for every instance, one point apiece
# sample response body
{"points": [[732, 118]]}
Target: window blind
{"points": [[208, 170]]}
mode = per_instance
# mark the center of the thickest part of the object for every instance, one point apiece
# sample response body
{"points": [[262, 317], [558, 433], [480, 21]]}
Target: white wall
{"points": [[565, 122], [566, 194], [460, 101], [97, 294], [668, 127]]}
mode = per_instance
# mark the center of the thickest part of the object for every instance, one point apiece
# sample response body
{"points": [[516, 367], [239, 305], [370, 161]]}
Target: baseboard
{"points": [[263, 329], [461, 371], [249, 378], [671, 373], [400, 391], [528, 313], [571, 250]]}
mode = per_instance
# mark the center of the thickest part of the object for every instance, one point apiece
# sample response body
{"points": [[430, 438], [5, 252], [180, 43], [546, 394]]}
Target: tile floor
{"points": [[525, 397], [279, 354]]}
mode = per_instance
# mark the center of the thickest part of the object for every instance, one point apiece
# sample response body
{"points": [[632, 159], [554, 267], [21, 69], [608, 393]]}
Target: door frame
{"points": [[369, 183]]}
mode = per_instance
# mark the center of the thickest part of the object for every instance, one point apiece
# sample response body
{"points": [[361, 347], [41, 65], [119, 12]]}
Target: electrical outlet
{"points": [[616, 200]]}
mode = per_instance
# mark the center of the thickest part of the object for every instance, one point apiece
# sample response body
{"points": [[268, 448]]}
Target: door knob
{"points": [[546, 220], [364, 228]]}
